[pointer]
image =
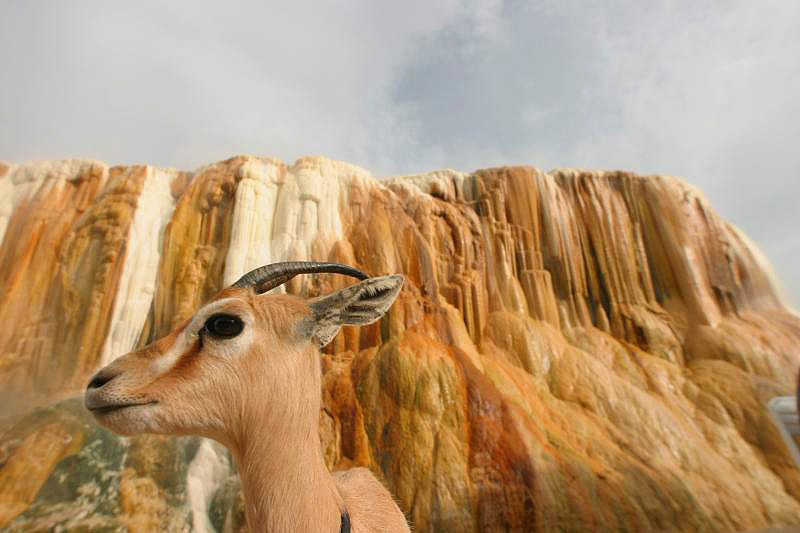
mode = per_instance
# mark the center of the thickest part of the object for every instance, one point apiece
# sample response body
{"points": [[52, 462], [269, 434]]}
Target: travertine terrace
{"points": [[572, 351]]}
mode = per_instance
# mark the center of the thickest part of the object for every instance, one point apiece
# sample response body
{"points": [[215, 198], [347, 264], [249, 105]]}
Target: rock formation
{"points": [[572, 351]]}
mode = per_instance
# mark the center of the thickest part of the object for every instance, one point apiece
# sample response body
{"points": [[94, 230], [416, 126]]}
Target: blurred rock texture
{"points": [[572, 351]]}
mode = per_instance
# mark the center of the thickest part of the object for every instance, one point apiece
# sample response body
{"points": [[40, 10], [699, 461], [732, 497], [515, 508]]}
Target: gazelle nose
{"points": [[101, 378]]}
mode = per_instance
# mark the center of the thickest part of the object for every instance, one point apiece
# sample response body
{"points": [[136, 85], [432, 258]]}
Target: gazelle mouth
{"points": [[106, 409]]}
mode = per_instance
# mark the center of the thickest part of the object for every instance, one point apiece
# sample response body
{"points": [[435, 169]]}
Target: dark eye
{"points": [[224, 326]]}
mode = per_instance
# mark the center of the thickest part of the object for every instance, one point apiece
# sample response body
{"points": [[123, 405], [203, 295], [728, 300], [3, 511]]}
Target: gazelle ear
{"points": [[362, 303]]}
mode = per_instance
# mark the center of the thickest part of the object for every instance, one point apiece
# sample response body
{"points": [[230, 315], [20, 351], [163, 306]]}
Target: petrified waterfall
{"points": [[572, 351]]}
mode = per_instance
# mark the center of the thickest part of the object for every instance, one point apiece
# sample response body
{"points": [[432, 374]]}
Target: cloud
{"points": [[707, 90], [180, 83], [708, 93]]}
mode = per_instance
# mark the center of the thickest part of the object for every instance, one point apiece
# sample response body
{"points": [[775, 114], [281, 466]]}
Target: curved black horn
{"points": [[268, 277]]}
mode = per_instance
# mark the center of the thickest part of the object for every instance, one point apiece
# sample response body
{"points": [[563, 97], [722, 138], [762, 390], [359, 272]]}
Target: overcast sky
{"points": [[705, 90]]}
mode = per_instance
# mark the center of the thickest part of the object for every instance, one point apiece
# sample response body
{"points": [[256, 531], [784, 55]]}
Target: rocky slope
{"points": [[572, 351]]}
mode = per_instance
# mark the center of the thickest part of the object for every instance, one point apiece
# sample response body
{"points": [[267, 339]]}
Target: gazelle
{"points": [[245, 371]]}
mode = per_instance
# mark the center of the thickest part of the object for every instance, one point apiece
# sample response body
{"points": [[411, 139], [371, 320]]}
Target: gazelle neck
{"points": [[287, 486]]}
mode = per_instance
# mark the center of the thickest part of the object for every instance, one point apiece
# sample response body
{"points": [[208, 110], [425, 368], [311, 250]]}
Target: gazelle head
{"points": [[243, 355]]}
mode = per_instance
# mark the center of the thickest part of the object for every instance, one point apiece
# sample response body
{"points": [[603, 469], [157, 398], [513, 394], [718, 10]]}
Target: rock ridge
{"points": [[573, 350]]}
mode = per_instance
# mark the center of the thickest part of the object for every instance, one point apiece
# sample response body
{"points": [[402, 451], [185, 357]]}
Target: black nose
{"points": [[101, 378]]}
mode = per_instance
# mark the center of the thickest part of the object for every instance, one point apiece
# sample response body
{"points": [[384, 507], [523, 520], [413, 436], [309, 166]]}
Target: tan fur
{"points": [[259, 394], [370, 505]]}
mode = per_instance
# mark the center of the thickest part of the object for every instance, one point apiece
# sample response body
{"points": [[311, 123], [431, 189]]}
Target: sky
{"points": [[705, 90]]}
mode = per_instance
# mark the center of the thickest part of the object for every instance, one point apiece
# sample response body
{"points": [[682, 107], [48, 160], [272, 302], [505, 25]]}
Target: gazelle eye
{"points": [[224, 326]]}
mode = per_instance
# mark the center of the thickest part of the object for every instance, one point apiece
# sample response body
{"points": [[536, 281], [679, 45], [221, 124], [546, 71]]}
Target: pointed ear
{"points": [[362, 303]]}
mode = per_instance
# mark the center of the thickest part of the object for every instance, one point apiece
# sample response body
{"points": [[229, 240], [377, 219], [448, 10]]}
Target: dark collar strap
{"points": [[345, 523]]}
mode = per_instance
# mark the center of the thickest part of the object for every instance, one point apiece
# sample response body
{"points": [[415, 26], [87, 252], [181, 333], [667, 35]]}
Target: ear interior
{"points": [[359, 304]]}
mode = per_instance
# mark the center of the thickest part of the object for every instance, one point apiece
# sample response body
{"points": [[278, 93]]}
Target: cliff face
{"points": [[572, 351]]}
